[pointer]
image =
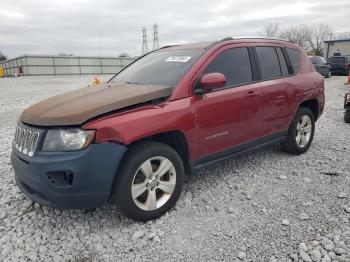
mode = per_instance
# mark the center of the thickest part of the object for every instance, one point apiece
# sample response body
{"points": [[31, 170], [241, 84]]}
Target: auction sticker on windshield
{"points": [[183, 59]]}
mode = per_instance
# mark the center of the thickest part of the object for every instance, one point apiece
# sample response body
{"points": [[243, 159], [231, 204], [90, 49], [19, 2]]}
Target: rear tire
{"points": [[300, 133], [347, 115], [149, 181]]}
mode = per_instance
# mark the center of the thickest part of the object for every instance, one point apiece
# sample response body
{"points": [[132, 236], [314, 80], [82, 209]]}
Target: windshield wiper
{"points": [[133, 83]]}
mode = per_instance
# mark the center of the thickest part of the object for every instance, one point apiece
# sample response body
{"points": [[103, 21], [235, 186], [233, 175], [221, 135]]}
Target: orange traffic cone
{"points": [[97, 81], [348, 82]]}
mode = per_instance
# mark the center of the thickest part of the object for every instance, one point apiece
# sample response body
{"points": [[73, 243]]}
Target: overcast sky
{"points": [[75, 26]]}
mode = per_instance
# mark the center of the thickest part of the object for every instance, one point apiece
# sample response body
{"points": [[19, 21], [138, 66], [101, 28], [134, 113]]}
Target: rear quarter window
{"points": [[294, 57]]}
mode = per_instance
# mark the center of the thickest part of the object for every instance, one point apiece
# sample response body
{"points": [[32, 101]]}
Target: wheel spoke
{"points": [[151, 202], [307, 129], [164, 167], [146, 168], [303, 140], [298, 127], [166, 186], [303, 121], [298, 138], [138, 189]]}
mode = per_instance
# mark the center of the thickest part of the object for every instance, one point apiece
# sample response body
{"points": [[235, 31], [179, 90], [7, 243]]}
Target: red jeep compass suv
{"points": [[172, 111]]}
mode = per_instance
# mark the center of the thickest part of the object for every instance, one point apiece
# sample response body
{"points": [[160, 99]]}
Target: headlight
{"points": [[67, 139]]}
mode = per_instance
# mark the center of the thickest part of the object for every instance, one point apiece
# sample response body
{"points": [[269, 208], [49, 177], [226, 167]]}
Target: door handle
{"points": [[252, 94]]}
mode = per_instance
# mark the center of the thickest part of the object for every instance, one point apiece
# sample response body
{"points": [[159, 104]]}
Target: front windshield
{"points": [[165, 67]]}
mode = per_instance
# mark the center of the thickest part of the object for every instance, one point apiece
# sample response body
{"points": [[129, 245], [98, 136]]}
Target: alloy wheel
{"points": [[153, 183], [303, 131]]}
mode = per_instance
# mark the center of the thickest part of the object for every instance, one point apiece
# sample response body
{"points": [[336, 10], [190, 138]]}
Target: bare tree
{"points": [[2, 57], [317, 36], [299, 34], [269, 30]]}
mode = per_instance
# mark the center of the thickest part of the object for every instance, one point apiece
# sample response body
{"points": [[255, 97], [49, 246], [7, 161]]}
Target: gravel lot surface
{"points": [[263, 206]]}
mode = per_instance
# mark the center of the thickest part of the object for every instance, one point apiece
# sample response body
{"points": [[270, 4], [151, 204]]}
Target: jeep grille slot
{"points": [[25, 140]]}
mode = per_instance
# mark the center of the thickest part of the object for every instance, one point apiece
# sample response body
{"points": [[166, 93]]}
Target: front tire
{"points": [[328, 75], [347, 115], [300, 133], [149, 181]]}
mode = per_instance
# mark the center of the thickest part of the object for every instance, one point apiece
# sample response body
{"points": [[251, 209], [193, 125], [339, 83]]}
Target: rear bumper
{"points": [[340, 70], [81, 179], [323, 71]]}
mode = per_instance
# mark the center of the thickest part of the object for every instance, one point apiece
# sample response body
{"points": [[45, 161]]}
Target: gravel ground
{"points": [[263, 206]]}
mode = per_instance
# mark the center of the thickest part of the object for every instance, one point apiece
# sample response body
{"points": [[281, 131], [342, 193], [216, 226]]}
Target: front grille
{"points": [[26, 140]]}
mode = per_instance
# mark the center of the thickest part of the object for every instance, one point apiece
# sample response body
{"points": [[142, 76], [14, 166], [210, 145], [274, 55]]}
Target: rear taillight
{"points": [[346, 65]]}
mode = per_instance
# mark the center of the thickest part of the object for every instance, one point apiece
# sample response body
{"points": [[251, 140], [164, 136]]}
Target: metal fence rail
{"points": [[63, 65]]}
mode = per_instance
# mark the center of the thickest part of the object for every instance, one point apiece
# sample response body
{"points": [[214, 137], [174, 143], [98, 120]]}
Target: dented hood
{"points": [[78, 106]]}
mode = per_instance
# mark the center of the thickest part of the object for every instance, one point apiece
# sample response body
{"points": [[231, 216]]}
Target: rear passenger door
{"points": [[275, 92]]}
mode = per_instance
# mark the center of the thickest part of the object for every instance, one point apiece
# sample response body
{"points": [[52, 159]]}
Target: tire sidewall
{"points": [[122, 195], [292, 130], [347, 115]]}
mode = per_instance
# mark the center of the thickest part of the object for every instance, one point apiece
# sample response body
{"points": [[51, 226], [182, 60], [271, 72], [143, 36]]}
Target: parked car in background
{"points": [[339, 65], [169, 113], [347, 105], [321, 65]]}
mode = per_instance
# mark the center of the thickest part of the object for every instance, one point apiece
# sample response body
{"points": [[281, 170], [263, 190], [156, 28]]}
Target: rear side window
{"points": [[269, 64], [294, 57], [282, 60], [234, 64]]}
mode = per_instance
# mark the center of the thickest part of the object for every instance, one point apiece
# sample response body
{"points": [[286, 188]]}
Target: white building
{"points": [[337, 47]]}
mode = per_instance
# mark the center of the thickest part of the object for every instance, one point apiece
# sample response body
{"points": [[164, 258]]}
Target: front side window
{"points": [[234, 64], [269, 64], [165, 67], [294, 57]]}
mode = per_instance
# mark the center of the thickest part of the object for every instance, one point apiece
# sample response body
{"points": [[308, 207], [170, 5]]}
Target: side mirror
{"points": [[212, 81]]}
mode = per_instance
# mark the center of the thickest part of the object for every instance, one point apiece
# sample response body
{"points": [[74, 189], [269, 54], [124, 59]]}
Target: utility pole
{"points": [[155, 37], [144, 41]]}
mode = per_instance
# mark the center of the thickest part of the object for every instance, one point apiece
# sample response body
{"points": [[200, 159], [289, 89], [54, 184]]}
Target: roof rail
{"points": [[260, 37], [166, 46], [244, 37], [219, 41], [226, 39]]}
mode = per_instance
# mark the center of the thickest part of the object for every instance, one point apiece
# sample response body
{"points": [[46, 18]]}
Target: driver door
{"points": [[228, 117]]}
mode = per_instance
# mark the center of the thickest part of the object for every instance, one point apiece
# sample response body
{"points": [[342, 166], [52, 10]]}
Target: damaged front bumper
{"points": [[80, 179]]}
